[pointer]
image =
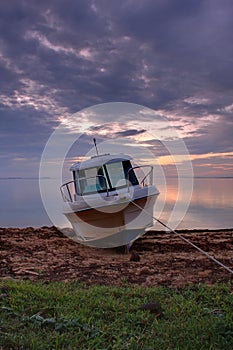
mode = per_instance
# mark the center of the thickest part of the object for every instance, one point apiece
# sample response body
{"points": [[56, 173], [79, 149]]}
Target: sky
{"points": [[58, 57]]}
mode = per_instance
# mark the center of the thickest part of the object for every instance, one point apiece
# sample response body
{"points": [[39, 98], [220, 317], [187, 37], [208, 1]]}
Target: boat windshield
{"points": [[108, 177]]}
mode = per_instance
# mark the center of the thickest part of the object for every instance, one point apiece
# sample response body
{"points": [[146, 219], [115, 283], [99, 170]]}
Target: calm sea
{"points": [[211, 205]]}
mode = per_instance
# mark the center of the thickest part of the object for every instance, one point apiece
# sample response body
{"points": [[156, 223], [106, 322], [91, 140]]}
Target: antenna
{"points": [[96, 146]]}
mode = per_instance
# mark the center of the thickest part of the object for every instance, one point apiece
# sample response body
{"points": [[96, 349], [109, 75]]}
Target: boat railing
{"points": [[76, 187], [144, 177], [65, 189]]}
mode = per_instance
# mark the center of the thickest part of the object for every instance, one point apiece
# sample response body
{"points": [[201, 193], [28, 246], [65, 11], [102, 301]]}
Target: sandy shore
{"points": [[45, 254]]}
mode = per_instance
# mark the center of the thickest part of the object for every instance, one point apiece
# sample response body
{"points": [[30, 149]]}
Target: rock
{"points": [[154, 308], [134, 256]]}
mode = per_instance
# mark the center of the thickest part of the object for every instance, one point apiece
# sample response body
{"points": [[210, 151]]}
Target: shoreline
{"points": [[45, 254], [183, 230]]}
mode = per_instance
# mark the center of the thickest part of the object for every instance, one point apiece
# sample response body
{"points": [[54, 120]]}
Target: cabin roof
{"points": [[102, 159]]}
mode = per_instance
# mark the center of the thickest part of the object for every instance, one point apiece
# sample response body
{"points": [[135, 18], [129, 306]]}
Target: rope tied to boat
{"points": [[185, 239]]}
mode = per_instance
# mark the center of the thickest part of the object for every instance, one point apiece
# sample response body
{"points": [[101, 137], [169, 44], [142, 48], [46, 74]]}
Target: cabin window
{"points": [[109, 177], [119, 172], [92, 180], [129, 173], [116, 174]]}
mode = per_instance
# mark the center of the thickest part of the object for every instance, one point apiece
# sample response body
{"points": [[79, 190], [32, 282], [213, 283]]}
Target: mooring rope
{"points": [[185, 239]]}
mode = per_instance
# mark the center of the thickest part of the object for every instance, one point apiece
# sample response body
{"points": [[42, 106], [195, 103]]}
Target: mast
{"points": [[96, 146]]}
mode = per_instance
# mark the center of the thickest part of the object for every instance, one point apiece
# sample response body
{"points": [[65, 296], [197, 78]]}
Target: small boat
{"points": [[109, 202]]}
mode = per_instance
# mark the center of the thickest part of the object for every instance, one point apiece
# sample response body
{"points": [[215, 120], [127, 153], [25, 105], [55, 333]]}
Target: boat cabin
{"points": [[103, 173]]}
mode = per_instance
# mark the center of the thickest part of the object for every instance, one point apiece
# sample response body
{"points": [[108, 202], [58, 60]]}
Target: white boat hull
{"points": [[113, 225]]}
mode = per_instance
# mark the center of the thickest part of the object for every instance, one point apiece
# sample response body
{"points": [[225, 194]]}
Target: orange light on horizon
{"points": [[169, 160]]}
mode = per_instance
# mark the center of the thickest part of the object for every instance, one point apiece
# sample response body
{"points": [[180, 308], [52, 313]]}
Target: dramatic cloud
{"points": [[58, 57]]}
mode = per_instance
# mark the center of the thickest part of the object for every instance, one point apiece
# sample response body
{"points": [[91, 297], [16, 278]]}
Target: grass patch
{"points": [[35, 315]]}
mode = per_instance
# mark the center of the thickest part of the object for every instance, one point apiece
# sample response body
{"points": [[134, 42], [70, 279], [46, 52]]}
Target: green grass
{"points": [[71, 316]]}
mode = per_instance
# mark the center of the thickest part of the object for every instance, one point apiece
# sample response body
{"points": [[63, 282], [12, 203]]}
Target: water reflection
{"points": [[21, 204], [211, 204]]}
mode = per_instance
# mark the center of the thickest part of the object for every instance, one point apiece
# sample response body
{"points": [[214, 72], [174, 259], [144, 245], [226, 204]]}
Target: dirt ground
{"points": [[46, 254]]}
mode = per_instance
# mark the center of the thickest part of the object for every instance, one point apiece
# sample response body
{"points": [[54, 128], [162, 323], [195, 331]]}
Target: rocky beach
{"points": [[164, 259]]}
